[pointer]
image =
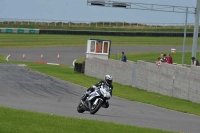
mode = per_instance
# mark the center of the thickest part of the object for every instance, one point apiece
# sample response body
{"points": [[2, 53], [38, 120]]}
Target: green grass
{"points": [[42, 40], [18, 121], [152, 56], [100, 27], [80, 60]]}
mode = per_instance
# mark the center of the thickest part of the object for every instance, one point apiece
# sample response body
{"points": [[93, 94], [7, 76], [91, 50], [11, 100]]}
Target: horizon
{"points": [[76, 10]]}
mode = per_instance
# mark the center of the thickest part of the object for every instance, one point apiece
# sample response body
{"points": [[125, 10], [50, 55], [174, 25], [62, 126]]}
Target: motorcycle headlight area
{"points": [[107, 95], [104, 92]]}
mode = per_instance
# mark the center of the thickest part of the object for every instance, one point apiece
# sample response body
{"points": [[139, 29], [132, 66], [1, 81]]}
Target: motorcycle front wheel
{"points": [[96, 107], [80, 108]]}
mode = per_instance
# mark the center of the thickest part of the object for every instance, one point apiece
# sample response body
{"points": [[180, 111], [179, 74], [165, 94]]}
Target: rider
{"points": [[107, 80]]}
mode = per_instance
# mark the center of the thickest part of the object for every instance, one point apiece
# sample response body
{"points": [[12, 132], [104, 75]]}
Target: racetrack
{"points": [[22, 88], [69, 54]]}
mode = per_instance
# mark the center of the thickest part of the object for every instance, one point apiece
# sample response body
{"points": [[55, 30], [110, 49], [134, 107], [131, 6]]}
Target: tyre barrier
{"points": [[116, 33], [79, 67], [19, 30], [76, 67]]}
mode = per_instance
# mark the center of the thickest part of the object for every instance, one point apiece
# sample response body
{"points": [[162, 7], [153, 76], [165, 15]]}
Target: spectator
{"points": [[169, 59], [123, 57], [164, 57], [159, 62], [195, 62]]}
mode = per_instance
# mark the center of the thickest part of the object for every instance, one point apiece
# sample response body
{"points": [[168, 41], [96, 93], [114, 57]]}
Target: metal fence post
{"points": [[134, 74]]}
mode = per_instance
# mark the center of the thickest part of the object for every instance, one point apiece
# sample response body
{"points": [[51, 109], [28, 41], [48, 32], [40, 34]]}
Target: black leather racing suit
{"points": [[96, 86], [91, 89]]}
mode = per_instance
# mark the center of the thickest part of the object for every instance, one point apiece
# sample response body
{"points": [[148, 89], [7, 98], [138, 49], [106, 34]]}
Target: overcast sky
{"points": [[77, 10]]}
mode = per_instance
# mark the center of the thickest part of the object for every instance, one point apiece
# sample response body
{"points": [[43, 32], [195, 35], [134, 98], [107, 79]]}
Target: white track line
{"points": [[53, 64], [7, 57], [74, 62]]}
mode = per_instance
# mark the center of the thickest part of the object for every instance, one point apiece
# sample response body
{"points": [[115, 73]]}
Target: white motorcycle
{"points": [[97, 99]]}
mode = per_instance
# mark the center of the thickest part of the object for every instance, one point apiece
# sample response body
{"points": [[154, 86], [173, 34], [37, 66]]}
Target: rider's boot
{"points": [[85, 95]]}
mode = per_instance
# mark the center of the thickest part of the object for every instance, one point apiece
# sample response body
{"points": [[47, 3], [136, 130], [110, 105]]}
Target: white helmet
{"points": [[108, 79]]}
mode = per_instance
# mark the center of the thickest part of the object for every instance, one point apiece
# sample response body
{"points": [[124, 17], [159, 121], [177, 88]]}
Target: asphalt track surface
{"points": [[22, 88], [69, 54]]}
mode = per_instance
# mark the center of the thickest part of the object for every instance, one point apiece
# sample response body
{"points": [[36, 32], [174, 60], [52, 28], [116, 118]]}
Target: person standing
{"points": [[123, 57], [195, 62], [169, 59], [97, 48]]}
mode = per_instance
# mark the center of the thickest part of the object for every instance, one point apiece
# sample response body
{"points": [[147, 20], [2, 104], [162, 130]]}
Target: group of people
{"points": [[165, 59], [168, 59]]}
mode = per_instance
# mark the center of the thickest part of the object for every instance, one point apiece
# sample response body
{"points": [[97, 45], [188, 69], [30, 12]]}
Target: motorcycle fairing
{"points": [[93, 94]]}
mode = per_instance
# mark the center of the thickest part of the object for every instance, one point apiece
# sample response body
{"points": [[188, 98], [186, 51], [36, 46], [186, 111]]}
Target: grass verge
{"points": [[42, 40], [18, 121]]}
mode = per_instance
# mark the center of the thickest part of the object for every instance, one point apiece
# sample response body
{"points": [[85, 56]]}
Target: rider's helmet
{"points": [[108, 79]]}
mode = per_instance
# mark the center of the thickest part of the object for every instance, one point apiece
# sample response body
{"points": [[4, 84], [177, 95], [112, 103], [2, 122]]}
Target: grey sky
{"points": [[77, 10]]}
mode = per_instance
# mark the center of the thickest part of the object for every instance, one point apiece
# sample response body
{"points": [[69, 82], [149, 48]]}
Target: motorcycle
{"points": [[97, 99]]}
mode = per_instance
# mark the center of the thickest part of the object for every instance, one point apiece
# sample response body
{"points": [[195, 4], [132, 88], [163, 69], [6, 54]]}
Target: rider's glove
{"points": [[94, 87]]}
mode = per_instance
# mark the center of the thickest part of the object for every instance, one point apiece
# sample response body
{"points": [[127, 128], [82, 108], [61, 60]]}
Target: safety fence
{"points": [[19, 30], [115, 33], [104, 24], [87, 32]]}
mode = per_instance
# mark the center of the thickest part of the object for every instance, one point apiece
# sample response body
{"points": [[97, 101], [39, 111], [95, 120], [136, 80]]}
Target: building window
{"points": [[99, 47], [105, 47], [92, 46]]}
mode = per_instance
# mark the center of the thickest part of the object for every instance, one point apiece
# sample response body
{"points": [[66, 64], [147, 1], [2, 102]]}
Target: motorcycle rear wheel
{"points": [[80, 108], [97, 107]]}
